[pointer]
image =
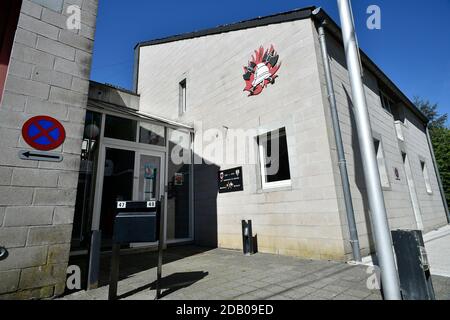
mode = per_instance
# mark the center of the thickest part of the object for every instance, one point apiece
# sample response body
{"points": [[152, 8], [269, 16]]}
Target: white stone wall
{"points": [[302, 220], [397, 196], [48, 75], [416, 146]]}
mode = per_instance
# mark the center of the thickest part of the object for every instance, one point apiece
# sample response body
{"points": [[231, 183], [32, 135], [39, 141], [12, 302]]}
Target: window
{"points": [[274, 159], [386, 102], [120, 128], [426, 177], [9, 17], [182, 102], [152, 134], [384, 177]]}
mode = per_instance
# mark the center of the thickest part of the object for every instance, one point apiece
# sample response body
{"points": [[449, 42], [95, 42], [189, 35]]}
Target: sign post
{"points": [[136, 222], [43, 134], [160, 250], [40, 156]]}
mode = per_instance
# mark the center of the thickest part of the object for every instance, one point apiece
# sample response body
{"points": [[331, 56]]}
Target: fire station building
{"points": [[263, 78]]}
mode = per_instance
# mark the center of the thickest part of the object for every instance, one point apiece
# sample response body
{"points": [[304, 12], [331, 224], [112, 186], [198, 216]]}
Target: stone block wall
{"points": [[48, 75], [300, 220]]}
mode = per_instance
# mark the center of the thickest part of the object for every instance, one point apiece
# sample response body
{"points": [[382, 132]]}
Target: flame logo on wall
{"points": [[261, 70]]}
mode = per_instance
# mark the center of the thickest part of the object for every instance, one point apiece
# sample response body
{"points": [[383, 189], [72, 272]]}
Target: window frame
{"points": [[382, 164], [386, 102], [182, 103], [426, 176], [262, 165], [135, 127]]}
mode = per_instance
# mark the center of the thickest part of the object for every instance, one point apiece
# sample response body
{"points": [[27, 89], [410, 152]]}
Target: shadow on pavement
{"points": [[171, 283], [132, 263]]}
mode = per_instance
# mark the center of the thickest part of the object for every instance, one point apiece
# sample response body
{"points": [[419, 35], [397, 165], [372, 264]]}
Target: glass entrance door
{"points": [[128, 175], [117, 186], [148, 179]]}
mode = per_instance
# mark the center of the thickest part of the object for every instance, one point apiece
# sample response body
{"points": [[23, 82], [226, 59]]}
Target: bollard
{"points": [[247, 238]]}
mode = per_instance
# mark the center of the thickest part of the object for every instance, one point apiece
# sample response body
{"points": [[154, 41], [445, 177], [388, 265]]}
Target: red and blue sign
{"points": [[43, 133]]}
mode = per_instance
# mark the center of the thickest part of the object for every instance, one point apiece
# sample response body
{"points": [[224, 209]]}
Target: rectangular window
{"points": [[386, 102], [274, 159], [120, 128], [182, 103], [426, 177], [382, 164], [9, 17], [152, 134]]}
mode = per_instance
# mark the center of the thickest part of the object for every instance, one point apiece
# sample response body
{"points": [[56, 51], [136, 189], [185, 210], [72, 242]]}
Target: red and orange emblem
{"points": [[261, 70]]}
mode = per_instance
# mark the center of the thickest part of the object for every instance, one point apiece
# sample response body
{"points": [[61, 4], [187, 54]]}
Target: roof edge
{"points": [[292, 15], [320, 15], [114, 87]]}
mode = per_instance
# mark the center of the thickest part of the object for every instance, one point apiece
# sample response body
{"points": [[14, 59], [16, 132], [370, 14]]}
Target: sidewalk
{"points": [[437, 244], [193, 274]]}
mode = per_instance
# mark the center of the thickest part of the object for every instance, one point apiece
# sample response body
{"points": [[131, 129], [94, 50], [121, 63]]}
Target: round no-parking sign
{"points": [[43, 133]]}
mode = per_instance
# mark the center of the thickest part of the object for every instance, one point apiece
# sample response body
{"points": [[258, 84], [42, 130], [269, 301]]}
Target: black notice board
{"points": [[231, 180]]}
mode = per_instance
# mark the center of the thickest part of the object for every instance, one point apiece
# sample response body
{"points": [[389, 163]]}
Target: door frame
{"points": [[162, 180], [122, 145], [162, 184], [144, 148]]}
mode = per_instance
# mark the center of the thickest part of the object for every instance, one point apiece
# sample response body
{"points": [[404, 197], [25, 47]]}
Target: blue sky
{"points": [[412, 47]]}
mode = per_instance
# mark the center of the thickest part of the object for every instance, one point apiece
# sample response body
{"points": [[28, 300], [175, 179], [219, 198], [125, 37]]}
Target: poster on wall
{"points": [[149, 171], [231, 180], [179, 179]]}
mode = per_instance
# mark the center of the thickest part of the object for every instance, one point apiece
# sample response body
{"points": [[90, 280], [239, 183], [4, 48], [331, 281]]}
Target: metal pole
{"points": [[354, 240], [160, 247], [438, 175], [382, 235], [114, 276], [94, 259]]}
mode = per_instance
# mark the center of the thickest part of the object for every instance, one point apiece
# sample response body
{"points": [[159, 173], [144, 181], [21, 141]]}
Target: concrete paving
{"points": [[192, 273]]}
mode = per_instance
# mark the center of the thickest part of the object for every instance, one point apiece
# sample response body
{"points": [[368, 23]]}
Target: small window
{"points": [[386, 102], [182, 102], [152, 134], [274, 159], [426, 177], [120, 128], [382, 164]]}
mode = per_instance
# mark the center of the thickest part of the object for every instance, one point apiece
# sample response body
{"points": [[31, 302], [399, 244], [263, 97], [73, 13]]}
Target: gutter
{"points": [[354, 239]]}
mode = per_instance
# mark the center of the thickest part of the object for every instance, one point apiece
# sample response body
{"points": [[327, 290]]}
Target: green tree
{"points": [[431, 111], [440, 138], [441, 144]]}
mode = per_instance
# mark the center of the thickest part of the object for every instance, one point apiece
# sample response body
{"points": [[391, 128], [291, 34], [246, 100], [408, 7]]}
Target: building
{"points": [[189, 132], [300, 212]]}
